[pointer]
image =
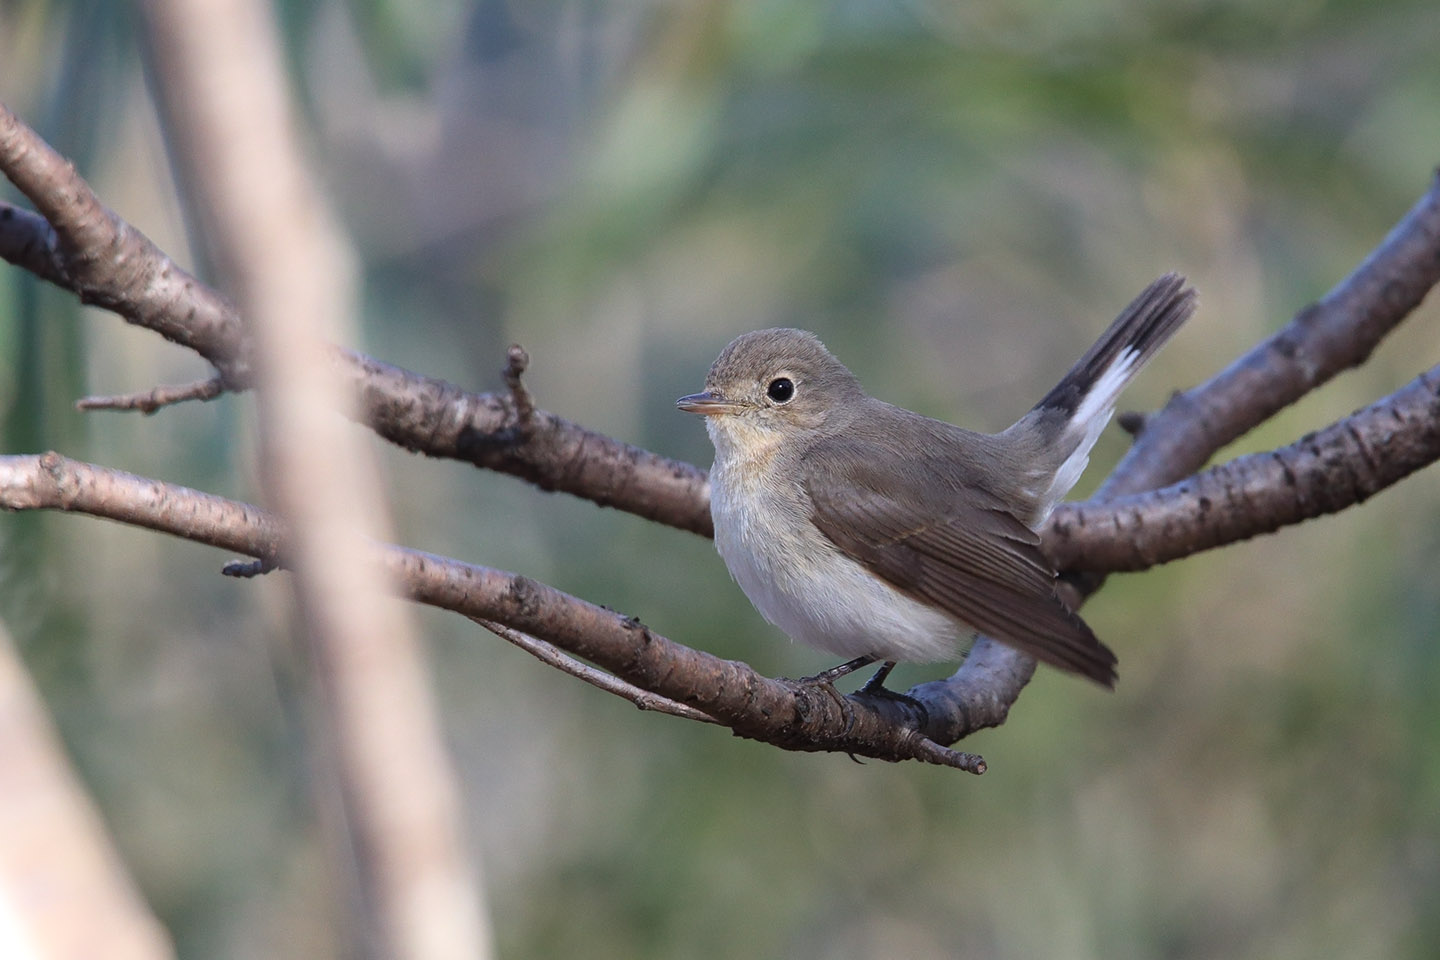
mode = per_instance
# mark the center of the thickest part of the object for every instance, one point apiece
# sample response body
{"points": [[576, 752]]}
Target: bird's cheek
{"points": [[741, 437]]}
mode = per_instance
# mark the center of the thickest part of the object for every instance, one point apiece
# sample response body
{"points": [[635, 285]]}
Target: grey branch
{"points": [[88, 249], [555, 657], [149, 401], [1322, 473], [503, 432], [1335, 334], [788, 715], [439, 419]]}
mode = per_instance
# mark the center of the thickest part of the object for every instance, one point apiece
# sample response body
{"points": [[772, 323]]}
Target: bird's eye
{"points": [[781, 389]]}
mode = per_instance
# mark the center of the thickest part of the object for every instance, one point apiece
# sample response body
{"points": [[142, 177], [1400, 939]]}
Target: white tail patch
{"points": [[1088, 422]]}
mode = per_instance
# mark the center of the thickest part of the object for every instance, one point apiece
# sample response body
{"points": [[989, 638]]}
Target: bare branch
{"points": [[436, 418], [1325, 472], [422, 414], [149, 401], [429, 416], [550, 654], [106, 261], [1330, 336], [516, 362], [783, 713]]}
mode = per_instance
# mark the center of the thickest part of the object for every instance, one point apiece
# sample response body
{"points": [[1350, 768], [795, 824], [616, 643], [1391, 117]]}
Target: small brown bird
{"points": [[878, 534]]}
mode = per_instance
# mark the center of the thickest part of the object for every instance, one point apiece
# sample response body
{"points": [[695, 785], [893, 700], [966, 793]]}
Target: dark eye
{"points": [[781, 389]]}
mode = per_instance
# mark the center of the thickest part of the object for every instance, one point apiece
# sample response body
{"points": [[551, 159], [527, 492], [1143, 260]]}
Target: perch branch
{"points": [[782, 713], [439, 419], [1322, 473]]}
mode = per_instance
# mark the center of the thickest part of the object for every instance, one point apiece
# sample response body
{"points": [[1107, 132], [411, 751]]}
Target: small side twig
{"points": [[548, 653], [249, 569], [516, 363], [932, 752], [148, 401]]}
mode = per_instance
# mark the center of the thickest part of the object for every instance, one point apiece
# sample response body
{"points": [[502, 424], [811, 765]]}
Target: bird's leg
{"points": [[875, 687], [876, 684], [835, 673]]}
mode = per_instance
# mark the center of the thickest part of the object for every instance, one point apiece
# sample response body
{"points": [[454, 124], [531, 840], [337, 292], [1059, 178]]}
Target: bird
{"points": [[881, 535]]}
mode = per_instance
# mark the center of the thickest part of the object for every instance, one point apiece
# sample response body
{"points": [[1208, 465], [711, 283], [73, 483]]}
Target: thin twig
{"points": [[516, 362], [148, 401], [932, 752], [555, 657]]}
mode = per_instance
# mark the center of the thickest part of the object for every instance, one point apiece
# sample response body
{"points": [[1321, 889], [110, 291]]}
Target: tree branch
{"points": [[428, 415], [783, 713], [106, 262], [63, 891], [1324, 472], [1335, 334], [495, 431], [149, 401], [136, 280], [552, 655], [408, 884]]}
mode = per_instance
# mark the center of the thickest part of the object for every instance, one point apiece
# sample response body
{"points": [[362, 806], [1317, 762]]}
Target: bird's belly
{"points": [[803, 584]]}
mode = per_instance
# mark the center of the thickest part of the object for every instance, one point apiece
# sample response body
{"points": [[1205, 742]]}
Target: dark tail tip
{"points": [[1144, 326]]}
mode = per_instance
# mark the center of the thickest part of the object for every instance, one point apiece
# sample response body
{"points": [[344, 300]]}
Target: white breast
{"points": [[803, 584]]}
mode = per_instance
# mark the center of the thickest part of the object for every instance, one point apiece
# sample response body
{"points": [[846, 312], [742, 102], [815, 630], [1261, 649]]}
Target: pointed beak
{"points": [[707, 404]]}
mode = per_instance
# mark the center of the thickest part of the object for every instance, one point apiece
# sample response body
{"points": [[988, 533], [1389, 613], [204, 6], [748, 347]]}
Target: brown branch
{"points": [[550, 654], [149, 401], [1335, 334], [392, 810], [439, 419], [422, 414], [430, 416], [427, 415], [108, 263], [783, 713], [1325, 472]]}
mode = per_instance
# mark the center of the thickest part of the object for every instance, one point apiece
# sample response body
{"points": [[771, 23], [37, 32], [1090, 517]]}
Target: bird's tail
{"points": [[1077, 410]]}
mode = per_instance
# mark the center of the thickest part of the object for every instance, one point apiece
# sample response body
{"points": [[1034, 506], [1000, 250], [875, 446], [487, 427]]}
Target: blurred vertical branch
{"points": [[63, 892], [396, 828]]}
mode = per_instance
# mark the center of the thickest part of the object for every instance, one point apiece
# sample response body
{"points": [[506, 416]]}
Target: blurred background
{"points": [[957, 199]]}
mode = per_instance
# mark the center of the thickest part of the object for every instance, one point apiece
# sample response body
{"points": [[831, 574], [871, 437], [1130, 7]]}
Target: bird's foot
{"points": [[825, 680], [835, 673], [875, 687]]}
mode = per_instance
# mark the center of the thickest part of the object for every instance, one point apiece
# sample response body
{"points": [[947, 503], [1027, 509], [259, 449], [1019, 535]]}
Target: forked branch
{"points": [[79, 245], [788, 715]]}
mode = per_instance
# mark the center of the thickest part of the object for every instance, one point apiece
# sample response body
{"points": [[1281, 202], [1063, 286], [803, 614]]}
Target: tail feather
{"points": [[1086, 396]]}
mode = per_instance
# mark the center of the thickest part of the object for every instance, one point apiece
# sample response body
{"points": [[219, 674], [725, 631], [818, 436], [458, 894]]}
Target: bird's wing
{"points": [[960, 550]]}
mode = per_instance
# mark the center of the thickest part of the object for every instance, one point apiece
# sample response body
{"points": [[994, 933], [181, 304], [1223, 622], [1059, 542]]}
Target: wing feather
{"points": [[960, 551]]}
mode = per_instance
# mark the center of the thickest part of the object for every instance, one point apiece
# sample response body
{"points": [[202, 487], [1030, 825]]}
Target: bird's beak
{"points": [[706, 404]]}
